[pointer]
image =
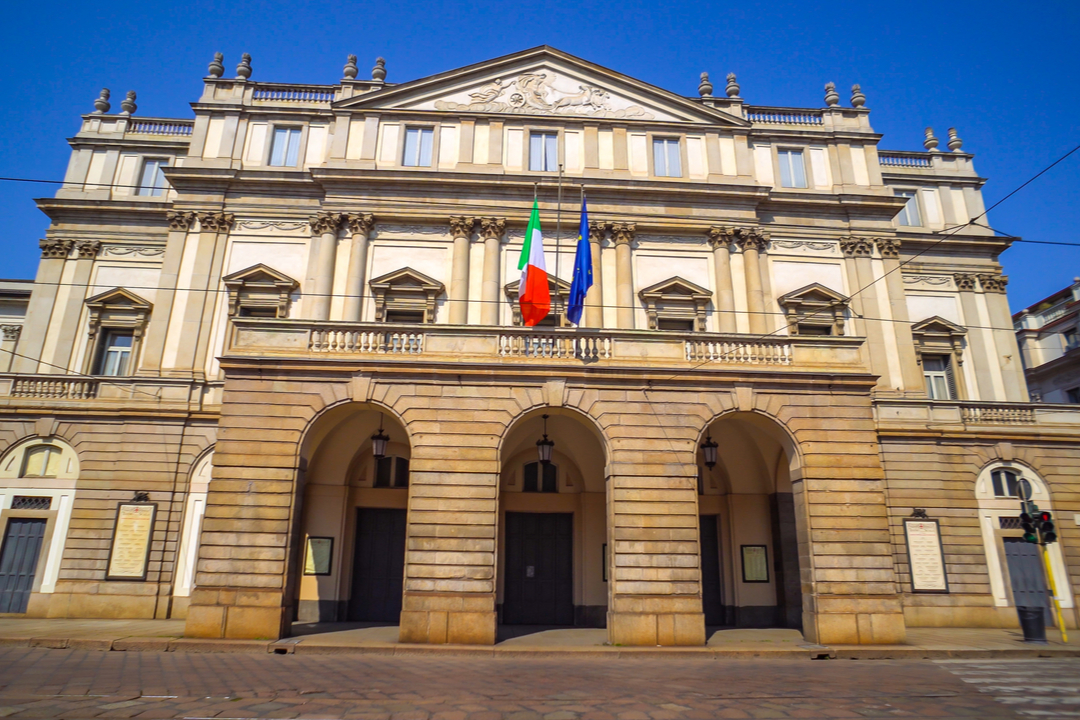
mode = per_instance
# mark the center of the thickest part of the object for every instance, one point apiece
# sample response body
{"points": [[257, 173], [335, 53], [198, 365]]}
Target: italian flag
{"points": [[533, 294]]}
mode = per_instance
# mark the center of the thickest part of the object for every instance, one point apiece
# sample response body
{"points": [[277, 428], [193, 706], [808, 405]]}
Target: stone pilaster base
{"points": [[113, 600], [237, 613], [441, 618], [656, 621], [854, 620]]}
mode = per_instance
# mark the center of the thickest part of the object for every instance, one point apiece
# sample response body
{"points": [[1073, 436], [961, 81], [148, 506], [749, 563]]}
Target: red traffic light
{"points": [[1045, 516]]}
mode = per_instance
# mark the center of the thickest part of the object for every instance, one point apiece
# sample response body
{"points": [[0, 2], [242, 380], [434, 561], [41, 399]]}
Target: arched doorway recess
{"points": [[748, 507], [552, 535], [355, 490]]}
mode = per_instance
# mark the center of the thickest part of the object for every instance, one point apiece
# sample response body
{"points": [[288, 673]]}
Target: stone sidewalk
{"points": [[352, 638]]}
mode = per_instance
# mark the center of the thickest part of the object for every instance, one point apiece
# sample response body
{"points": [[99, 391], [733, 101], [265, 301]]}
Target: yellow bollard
{"points": [[1053, 594]]}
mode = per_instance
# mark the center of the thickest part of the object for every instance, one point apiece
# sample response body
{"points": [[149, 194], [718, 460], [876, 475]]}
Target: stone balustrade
{"points": [[893, 159], [784, 116], [52, 387], [151, 126], [180, 393], [282, 93], [644, 348], [1035, 417]]}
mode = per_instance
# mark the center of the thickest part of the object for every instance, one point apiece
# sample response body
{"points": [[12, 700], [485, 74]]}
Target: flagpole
{"points": [[558, 223]]}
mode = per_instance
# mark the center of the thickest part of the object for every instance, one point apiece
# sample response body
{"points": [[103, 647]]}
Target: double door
{"points": [[19, 555], [539, 576], [378, 565]]}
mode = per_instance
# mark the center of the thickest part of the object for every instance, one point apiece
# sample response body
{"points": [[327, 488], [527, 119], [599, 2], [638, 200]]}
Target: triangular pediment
{"points": [[259, 275], [407, 278], [118, 298], [542, 81], [675, 286], [937, 325], [814, 293]]}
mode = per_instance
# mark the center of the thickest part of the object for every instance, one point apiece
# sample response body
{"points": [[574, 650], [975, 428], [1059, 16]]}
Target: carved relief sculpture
{"points": [[532, 93]]}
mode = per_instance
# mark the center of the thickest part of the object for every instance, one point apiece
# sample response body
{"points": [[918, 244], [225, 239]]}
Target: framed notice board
{"points": [[926, 558], [129, 553]]}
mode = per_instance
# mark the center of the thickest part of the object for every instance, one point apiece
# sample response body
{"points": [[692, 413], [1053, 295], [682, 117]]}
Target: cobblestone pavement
{"points": [[75, 684], [1033, 688]]}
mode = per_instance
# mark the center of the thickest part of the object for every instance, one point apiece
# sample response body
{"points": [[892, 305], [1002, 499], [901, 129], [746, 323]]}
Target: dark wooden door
{"points": [[539, 583], [1026, 575], [18, 562], [712, 597], [378, 565]]}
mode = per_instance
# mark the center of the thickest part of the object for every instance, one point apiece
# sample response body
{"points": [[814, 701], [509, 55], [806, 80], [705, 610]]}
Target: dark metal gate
{"points": [[18, 562], [712, 599]]}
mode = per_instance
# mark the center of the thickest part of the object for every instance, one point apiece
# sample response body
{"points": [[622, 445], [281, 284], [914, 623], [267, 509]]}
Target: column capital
{"points": [[993, 282], [597, 230], [492, 228], [461, 226], [888, 247], [623, 233], [180, 220], [749, 238], [54, 248], [964, 281], [216, 221], [856, 246], [11, 332], [87, 249], [360, 223], [719, 236], [325, 223]]}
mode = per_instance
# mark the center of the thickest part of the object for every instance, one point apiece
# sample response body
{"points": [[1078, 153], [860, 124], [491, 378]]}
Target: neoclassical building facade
{"points": [[272, 369]]}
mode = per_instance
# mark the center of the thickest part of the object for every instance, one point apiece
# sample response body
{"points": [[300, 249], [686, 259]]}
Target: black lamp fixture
{"points": [[379, 440], [708, 448], [544, 446]]}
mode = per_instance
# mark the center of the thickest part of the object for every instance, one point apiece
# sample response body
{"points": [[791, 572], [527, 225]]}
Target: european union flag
{"points": [[582, 270]]}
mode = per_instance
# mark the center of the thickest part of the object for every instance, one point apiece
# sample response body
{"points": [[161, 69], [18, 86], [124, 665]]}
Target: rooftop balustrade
{"points": [[1045, 417], [784, 116]]}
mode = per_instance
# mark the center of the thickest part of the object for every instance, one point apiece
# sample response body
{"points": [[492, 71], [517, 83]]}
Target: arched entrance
{"points": [[552, 535], [355, 466], [749, 545]]}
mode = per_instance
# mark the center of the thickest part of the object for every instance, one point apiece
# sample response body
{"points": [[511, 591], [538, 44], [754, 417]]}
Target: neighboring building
{"points": [[1049, 337], [288, 327], [14, 296]]}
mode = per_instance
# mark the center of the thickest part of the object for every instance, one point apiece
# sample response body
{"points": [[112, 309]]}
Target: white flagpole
{"points": [[558, 223]]}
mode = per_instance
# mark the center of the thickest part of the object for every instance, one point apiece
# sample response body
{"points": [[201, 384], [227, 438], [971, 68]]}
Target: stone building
{"points": [[1049, 334], [272, 368]]}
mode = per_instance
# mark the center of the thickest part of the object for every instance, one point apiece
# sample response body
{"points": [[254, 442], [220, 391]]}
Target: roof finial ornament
{"points": [[832, 98], [216, 68], [931, 142], [243, 70], [955, 143], [732, 88], [378, 73], [350, 69], [857, 97], [128, 103], [704, 88], [101, 105]]}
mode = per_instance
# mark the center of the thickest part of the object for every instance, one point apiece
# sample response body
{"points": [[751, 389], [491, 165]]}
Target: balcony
{"points": [[102, 392], [387, 342], [949, 415]]}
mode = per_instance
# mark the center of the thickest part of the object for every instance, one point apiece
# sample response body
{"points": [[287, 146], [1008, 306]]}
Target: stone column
{"points": [[911, 373], [321, 273], [492, 230], [67, 319], [158, 328], [360, 226], [857, 253], [720, 241], [754, 242], [54, 253], [460, 230], [1006, 349], [623, 234], [980, 352], [9, 337], [594, 299]]}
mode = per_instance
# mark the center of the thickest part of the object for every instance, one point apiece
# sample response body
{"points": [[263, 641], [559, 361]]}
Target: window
{"points": [[1004, 483], [544, 152], [405, 316], [285, 148], [533, 481], [700, 481], [115, 353], [814, 329], [391, 471], [676, 324], [792, 169], [418, 142], [909, 216], [1069, 337], [41, 461], [937, 369], [667, 160], [1073, 395], [152, 182]]}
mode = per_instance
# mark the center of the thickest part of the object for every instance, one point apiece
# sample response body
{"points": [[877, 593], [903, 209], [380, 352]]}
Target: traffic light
{"points": [[1046, 527], [1030, 528]]}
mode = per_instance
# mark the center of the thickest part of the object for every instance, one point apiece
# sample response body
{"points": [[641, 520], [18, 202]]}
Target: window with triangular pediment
{"points": [[814, 310], [676, 304], [405, 296], [117, 320], [259, 291]]}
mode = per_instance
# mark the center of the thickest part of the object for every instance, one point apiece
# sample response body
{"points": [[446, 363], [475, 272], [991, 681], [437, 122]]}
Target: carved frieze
{"points": [[936, 280], [390, 229], [806, 245], [282, 225], [133, 250], [360, 223], [55, 249], [534, 93]]}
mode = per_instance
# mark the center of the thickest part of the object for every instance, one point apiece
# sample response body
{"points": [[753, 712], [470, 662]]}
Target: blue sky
{"points": [[1004, 73]]}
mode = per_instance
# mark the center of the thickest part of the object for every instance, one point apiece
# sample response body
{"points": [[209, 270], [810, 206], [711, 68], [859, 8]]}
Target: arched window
{"points": [[41, 461], [1004, 482], [535, 481], [391, 471]]}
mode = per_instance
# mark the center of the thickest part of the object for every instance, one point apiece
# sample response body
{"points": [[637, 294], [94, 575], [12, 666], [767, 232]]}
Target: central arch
{"points": [[553, 525]]}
